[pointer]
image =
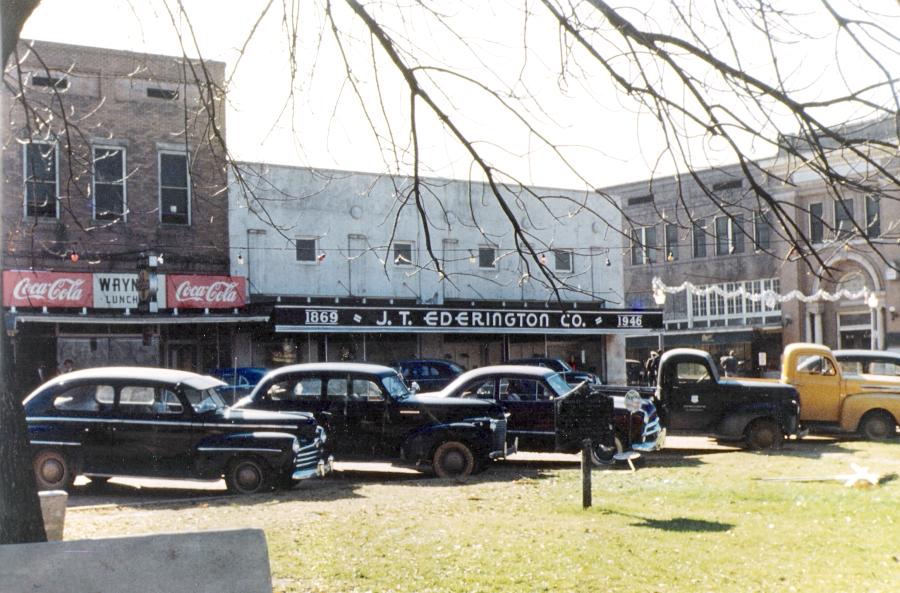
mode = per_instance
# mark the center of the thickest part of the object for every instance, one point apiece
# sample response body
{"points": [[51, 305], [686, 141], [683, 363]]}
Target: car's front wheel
{"points": [[453, 459], [53, 470], [605, 455], [247, 475], [764, 433], [877, 426]]}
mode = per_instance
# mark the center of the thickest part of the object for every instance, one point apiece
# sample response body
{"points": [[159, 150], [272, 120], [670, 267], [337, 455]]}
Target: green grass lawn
{"points": [[685, 521]]}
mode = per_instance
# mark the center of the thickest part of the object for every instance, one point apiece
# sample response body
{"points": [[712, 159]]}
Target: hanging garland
{"points": [[768, 298]]}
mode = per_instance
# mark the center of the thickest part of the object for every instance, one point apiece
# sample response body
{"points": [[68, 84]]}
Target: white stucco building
{"points": [[349, 270]]}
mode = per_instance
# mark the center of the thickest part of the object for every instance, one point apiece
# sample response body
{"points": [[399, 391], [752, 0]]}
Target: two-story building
{"points": [[721, 250], [351, 272], [111, 161]]}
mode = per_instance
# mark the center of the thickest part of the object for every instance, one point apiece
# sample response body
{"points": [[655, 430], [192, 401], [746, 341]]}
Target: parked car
{"points": [[239, 381], [838, 402], [369, 411], [869, 362], [428, 374], [136, 421], [530, 394], [557, 365], [693, 399]]}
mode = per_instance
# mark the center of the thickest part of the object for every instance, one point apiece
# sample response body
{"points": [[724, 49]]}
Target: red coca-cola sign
{"points": [[205, 292], [47, 289]]}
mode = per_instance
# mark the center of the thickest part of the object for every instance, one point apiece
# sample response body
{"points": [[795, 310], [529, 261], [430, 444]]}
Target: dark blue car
{"points": [[240, 381], [428, 374]]}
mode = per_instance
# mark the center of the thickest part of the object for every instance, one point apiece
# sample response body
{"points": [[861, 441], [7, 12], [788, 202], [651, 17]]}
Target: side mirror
{"points": [[414, 387]]}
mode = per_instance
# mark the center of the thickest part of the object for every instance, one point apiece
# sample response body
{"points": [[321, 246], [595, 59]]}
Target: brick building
{"points": [[679, 235], [111, 158]]}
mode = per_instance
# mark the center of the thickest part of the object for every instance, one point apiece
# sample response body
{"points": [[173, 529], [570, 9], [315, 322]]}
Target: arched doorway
{"points": [[849, 323]]}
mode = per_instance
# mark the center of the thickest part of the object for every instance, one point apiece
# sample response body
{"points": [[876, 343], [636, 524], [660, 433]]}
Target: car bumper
{"points": [[322, 469], [652, 442], [506, 451]]}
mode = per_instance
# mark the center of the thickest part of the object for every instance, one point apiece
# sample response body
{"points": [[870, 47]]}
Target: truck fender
{"points": [[734, 424], [855, 407], [420, 444], [215, 452]]}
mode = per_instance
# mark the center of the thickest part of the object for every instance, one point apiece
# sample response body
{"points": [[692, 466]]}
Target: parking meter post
{"points": [[586, 473]]}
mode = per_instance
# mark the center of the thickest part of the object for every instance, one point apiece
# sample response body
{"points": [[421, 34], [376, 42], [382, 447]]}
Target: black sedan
{"points": [[136, 421], [529, 394]]}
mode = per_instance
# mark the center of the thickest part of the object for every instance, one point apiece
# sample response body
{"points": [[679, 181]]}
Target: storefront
{"points": [[472, 334], [94, 320]]}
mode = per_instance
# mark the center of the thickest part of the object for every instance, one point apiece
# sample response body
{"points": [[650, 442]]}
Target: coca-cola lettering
{"points": [[46, 289], [201, 292], [60, 290], [217, 292]]}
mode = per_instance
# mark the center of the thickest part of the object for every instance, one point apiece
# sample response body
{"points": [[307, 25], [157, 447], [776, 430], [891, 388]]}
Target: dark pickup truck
{"points": [[692, 399]]}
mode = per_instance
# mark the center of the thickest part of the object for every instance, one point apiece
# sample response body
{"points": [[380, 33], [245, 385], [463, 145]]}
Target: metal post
{"points": [[586, 473]]}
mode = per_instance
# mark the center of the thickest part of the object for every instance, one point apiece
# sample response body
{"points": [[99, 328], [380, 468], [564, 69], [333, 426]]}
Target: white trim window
{"points": [[41, 174], [306, 250], [109, 183], [843, 218], [816, 223], [729, 234], [643, 245], [564, 260], [174, 188], [404, 253], [487, 257]]}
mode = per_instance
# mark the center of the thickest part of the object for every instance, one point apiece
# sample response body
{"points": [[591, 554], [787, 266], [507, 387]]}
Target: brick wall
{"points": [[106, 103]]}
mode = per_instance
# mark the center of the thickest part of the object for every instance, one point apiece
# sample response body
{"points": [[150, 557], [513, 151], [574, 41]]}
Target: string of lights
{"points": [[768, 297]]}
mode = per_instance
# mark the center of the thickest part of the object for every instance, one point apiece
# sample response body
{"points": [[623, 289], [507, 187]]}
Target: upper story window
{"points": [[873, 216], [698, 230], [763, 229], [487, 257], [643, 245], [306, 250], [174, 188], [41, 180], [109, 183], [671, 241], [59, 83], [816, 223], [729, 234], [564, 260], [403, 253], [843, 218], [166, 94]]}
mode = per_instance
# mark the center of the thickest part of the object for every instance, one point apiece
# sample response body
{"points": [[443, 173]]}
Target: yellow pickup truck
{"points": [[831, 401]]}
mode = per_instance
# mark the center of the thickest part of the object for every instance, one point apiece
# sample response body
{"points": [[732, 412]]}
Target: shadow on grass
{"points": [[677, 524]]}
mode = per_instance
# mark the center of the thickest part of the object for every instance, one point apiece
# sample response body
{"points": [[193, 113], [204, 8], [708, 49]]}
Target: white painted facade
{"points": [[355, 221]]}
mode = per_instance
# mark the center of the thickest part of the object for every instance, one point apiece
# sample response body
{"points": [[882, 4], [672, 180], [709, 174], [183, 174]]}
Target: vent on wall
{"points": [[730, 184], [59, 83], [167, 94], [640, 200]]}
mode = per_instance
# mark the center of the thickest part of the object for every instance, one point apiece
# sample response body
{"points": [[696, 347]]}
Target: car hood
{"points": [[451, 408]]}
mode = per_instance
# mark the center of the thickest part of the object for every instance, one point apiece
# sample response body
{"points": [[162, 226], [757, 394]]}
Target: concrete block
{"points": [[202, 562], [53, 508]]}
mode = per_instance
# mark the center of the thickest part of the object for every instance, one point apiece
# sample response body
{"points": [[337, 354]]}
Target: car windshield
{"points": [[558, 383], [204, 400], [396, 387]]}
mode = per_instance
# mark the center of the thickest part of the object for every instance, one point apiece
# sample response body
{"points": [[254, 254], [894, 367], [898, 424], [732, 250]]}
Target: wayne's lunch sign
{"points": [[22, 288]]}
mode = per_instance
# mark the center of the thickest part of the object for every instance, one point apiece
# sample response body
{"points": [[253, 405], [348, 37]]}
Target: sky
{"points": [[321, 117]]}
